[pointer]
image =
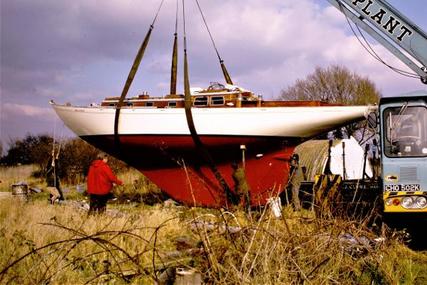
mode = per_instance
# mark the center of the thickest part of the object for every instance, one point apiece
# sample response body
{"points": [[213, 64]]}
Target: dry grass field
{"points": [[137, 244], [11, 175]]}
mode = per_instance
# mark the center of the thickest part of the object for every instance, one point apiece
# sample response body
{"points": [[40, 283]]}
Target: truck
{"points": [[401, 121]]}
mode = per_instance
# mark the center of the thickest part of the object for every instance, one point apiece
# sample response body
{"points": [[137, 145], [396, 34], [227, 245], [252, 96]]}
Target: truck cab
{"points": [[403, 132]]}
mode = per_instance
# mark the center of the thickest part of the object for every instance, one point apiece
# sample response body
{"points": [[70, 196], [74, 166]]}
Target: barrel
{"points": [[20, 191]]}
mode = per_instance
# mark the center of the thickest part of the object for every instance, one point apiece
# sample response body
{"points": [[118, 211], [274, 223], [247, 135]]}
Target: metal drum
{"points": [[20, 190]]}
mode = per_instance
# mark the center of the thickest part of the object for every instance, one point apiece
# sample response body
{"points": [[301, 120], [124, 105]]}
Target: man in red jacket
{"points": [[100, 180]]}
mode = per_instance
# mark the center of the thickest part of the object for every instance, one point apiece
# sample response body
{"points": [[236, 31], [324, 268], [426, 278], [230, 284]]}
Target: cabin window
{"points": [[172, 104], [217, 100], [149, 104], [129, 104], [201, 101], [112, 104]]}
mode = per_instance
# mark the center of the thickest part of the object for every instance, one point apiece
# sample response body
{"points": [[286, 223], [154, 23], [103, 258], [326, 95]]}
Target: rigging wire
{"points": [[157, 13], [184, 27], [176, 17], [221, 61], [375, 55], [209, 31], [368, 47]]}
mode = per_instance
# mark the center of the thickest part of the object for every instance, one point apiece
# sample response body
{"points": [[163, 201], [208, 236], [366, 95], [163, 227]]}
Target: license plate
{"points": [[402, 187]]}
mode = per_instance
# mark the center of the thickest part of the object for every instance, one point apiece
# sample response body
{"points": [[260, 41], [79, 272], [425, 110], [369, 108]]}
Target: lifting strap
{"points": [[129, 81], [221, 61], [231, 197]]}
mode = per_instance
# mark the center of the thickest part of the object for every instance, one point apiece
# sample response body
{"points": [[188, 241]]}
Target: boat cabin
{"points": [[216, 95]]}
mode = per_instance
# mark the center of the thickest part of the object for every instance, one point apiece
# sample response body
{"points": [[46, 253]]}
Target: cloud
{"points": [[67, 38], [80, 51], [44, 113]]}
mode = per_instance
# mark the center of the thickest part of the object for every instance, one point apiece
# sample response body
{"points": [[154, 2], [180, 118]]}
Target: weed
{"points": [[61, 244]]}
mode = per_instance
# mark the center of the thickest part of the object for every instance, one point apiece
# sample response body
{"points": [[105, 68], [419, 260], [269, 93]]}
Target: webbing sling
{"points": [[231, 197], [129, 81]]}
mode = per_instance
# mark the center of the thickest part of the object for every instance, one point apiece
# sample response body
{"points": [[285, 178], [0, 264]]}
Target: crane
{"points": [[401, 121]]}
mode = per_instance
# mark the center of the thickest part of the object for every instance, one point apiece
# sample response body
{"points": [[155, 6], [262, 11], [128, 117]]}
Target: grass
{"points": [[76, 245], [135, 243], [12, 175]]}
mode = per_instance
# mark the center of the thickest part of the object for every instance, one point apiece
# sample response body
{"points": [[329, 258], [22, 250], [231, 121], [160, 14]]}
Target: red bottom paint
{"points": [[175, 165]]}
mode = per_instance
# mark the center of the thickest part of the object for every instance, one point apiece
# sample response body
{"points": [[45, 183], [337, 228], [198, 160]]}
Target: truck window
{"points": [[405, 131]]}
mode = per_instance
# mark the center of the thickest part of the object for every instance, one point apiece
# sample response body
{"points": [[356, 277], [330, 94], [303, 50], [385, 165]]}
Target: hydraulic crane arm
{"points": [[390, 28]]}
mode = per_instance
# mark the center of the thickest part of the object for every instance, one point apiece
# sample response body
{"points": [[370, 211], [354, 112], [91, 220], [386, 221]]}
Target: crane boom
{"points": [[389, 27]]}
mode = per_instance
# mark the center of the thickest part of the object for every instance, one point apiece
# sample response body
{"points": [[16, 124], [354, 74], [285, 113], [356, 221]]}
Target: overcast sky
{"points": [[81, 51]]}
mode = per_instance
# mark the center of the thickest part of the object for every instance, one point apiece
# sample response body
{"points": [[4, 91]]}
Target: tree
{"points": [[31, 149], [334, 84], [75, 158]]}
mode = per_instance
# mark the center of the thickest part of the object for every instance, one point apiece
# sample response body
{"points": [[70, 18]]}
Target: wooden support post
{"points": [[243, 148], [344, 174]]}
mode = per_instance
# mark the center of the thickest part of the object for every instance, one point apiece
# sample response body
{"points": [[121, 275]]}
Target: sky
{"points": [[81, 51]]}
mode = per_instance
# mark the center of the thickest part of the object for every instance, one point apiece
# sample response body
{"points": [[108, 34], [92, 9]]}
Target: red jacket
{"points": [[100, 178]]}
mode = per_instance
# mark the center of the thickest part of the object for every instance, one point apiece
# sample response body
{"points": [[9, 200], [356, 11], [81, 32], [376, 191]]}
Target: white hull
{"points": [[302, 122]]}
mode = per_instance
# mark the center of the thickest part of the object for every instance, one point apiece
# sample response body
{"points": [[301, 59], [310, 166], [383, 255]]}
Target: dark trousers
{"points": [[98, 204]]}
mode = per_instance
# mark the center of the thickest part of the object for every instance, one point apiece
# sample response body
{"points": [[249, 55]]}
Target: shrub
{"points": [[74, 157]]}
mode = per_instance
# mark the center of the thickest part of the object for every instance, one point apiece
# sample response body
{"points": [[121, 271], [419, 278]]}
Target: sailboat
{"points": [[187, 143]]}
